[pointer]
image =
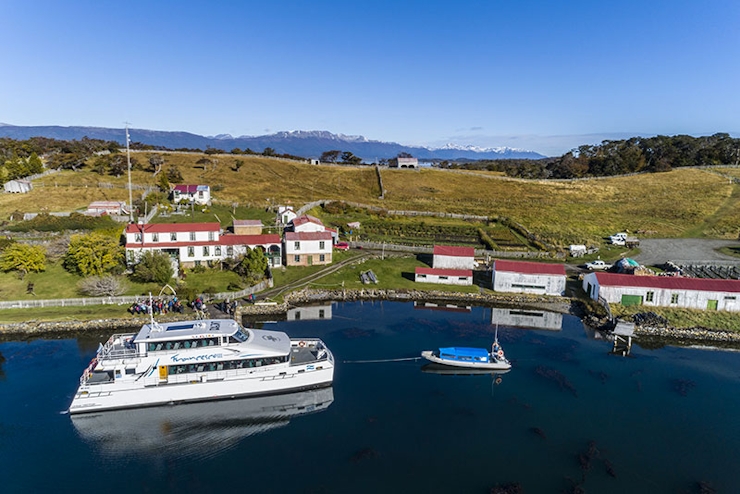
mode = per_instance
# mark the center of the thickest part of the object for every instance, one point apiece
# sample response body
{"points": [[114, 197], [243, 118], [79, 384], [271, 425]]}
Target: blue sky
{"points": [[540, 75]]}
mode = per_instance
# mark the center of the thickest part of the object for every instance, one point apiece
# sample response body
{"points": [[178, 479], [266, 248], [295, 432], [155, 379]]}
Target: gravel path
{"points": [[655, 251]]}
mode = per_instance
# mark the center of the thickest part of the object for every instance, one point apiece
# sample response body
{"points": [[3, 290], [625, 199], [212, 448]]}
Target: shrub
{"points": [[102, 286]]}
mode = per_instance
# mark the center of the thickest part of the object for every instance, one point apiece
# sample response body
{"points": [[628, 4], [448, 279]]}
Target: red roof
{"points": [[668, 282], [268, 238], [307, 236], [526, 267], [444, 272], [448, 250], [187, 189], [306, 219], [247, 222], [173, 227]]}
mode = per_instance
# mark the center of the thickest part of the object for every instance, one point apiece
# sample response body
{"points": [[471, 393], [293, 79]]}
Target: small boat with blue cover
{"points": [[470, 358]]}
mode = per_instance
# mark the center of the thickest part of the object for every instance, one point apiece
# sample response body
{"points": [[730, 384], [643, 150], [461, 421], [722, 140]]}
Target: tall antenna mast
{"points": [[130, 193]]}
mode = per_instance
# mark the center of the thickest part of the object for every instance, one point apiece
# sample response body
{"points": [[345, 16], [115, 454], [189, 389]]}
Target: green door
{"points": [[628, 300], [712, 304]]}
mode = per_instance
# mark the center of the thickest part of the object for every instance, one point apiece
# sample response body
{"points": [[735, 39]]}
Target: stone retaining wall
{"points": [[311, 296]]}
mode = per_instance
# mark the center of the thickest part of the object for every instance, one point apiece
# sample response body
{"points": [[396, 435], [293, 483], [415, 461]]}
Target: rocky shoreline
{"points": [[310, 296]]}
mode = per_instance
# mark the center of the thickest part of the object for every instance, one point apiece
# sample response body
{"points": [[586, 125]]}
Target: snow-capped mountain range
{"points": [[308, 144]]}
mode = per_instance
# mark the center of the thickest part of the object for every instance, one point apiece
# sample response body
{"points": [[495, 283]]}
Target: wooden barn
{"points": [[528, 277], [664, 291]]}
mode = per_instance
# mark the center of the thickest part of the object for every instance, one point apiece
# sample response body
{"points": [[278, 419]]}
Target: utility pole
{"points": [[130, 192]]}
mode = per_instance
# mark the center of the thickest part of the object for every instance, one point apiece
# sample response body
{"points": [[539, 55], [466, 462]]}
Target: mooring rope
{"points": [[379, 361]]}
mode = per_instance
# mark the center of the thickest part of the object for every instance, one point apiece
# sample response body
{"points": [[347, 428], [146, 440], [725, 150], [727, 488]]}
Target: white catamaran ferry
{"points": [[201, 360]]}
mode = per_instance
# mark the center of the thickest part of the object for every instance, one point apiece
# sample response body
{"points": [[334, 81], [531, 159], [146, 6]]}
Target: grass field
{"points": [[680, 203]]}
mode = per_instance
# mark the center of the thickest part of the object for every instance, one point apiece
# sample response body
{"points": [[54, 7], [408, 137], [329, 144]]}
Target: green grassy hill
{"points": [[680, 203]]}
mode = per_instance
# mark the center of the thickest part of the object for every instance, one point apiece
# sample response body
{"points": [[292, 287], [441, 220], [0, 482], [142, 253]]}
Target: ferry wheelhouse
{"points": [[212, 359]]}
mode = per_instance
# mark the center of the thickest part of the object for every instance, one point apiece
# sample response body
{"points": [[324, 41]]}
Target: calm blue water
{"points": [[660, 420]]}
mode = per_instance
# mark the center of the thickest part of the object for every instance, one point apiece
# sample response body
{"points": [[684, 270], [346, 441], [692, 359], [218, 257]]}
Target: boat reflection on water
{"points": [[195, 429], [460, 371]]}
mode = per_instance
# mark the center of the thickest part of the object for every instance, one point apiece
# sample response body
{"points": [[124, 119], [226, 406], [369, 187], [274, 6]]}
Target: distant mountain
{"points": [[308, 144]]}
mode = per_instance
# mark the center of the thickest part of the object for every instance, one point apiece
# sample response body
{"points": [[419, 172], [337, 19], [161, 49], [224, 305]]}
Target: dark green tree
{"points": [[330, 156], [252, 265], [154, 266]]}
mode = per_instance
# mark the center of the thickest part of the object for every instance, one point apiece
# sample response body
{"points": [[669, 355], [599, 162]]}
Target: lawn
{"points": [[393, 273]]}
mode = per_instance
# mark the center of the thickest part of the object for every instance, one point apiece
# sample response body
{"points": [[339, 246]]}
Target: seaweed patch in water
{"points": [[364, 454], [600, 375], [539, 432], [556, 376], [683, 386], [507, 488]]}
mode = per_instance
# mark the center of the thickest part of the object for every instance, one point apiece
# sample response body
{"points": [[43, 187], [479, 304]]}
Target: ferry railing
{"points": [[120, 346]]}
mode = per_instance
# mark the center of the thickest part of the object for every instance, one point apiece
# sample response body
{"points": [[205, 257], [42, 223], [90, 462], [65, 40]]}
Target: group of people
{"points": [[157, 306], [173, 304]]}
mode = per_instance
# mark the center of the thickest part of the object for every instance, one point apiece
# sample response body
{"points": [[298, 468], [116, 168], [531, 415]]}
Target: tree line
{"points": [[619, 157]]}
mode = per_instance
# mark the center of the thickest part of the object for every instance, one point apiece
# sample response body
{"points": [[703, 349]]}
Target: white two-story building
{"points": [[193, 244], [308, 248]]}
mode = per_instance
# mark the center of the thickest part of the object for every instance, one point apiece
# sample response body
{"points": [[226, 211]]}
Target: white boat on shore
{"points": [[469, 358], [190, 361]]}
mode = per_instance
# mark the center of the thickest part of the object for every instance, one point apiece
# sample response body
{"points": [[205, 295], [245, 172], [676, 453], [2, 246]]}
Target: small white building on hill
{"points": [[449, 257]]}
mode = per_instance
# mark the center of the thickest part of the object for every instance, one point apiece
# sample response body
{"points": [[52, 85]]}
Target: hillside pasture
{"points": [[683, 202]]}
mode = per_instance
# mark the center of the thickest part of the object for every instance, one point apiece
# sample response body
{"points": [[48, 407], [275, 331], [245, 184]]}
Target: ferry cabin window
{"points": [[226, 365], [180, 344]]}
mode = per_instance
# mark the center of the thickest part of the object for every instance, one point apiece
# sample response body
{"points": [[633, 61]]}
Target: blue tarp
{"points": [[464, 352]]}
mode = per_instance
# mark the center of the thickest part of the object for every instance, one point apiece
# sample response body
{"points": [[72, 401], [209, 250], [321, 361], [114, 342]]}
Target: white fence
{"points": [[123, 300]]}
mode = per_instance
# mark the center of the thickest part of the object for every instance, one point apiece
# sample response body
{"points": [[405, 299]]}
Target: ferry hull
{"points": [[114, 396]]}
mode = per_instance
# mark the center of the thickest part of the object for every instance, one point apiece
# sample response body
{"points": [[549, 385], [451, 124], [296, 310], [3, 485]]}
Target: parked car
{"points": [[597, 265], [341, 246]]}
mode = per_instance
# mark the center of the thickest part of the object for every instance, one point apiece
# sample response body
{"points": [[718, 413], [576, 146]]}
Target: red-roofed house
{"points": [[528, 277], [199, 194], [443, 276], [449, 257], [664, 291], [307, 248], [306, 223], [193, 244]]}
